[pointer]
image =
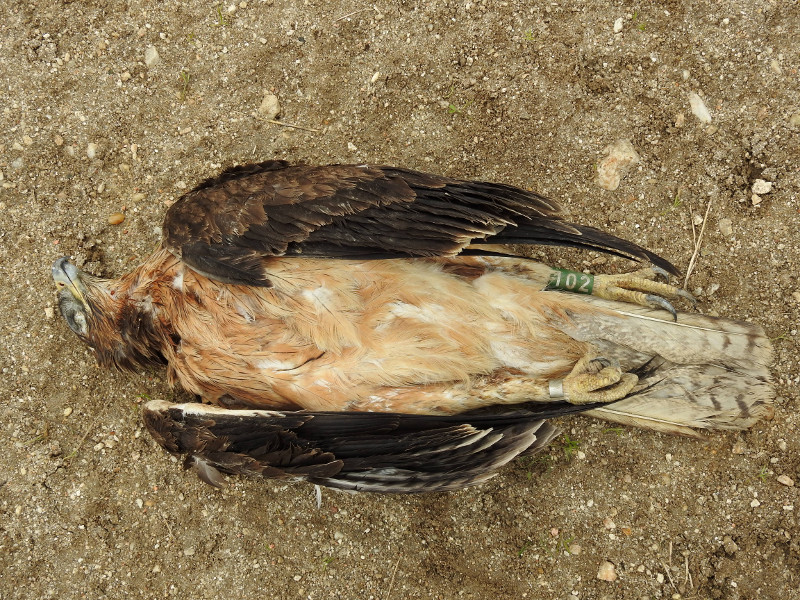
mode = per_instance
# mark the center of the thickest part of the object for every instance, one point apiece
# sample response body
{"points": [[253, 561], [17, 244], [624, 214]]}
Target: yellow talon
{"points": [[597, 379]]}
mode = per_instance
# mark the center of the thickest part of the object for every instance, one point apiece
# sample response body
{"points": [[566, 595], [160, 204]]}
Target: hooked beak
{"points": [[67, 278]]}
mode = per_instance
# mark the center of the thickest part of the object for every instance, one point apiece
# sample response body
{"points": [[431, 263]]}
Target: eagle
{"points": [[374, 328]]}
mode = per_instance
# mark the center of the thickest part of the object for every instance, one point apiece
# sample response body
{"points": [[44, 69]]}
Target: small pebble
{"points": [[92, 150], [270, 107], [139, 502], [660, 577], [726, 227], [68, 411], [575, 549], [157, 569], [699, 109], [729, 545], [49, 312], [607, 571], [619, 156], [755, 503], [608, 523], [795, 119], [188, 552], [618, 25], [375, 77], [755, 199], [151, 57], [680, 120], [116, 218], [761, 187], [785, 480], [351, 147], [99, 446], [58, 140]]}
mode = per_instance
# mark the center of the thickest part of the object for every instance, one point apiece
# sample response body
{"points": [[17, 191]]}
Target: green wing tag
{"points": [[570, 281]]}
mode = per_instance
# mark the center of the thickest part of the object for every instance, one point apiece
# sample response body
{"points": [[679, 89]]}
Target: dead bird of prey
{"points": [[346, 322]]}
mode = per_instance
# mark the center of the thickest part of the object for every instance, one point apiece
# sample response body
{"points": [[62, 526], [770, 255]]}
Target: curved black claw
{"points": [[687, 296], [659, 302], [599, 363], [662, 272]]}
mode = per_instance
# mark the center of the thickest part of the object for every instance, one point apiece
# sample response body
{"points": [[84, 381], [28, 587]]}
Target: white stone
{"points": [[699, 109], [607, 571], [620, 156], [270, 107], [760, 186], [618, 25], [151, 57]]}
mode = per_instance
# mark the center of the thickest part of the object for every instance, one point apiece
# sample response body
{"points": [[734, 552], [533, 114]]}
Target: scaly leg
{"points": [[638, 287]]}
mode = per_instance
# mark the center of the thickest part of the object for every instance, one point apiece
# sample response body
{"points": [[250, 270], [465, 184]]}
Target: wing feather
{"points": [[381, 452], [228, 224]]}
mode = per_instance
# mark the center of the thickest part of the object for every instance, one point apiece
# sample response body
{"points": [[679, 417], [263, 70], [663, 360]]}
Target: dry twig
{"points": [[391, 581], [282, 124], [697, 241]]}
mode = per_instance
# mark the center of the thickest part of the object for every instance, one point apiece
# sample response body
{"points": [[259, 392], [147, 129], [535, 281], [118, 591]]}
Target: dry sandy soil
{"points": [[528, 93]]}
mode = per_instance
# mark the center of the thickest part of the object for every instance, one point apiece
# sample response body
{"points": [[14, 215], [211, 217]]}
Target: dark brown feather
{"points": [[228, 224], [382, 452]]}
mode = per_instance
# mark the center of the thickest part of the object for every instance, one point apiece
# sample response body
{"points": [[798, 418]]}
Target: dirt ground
{"points": [[528, 93]]}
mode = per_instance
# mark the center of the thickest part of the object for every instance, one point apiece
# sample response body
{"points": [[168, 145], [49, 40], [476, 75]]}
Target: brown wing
{"points": [[377, 452], [228, 224]]}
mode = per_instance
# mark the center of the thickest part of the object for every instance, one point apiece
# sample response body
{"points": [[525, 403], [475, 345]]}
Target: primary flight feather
{"points": [[362, 289]]}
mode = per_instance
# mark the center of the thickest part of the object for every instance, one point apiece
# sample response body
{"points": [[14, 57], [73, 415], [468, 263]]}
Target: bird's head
{"points": [[104, 318], [79, 297], [74, 297]]}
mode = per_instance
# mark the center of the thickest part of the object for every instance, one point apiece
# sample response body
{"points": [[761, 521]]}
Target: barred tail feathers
{"points": [[700, 372]]}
